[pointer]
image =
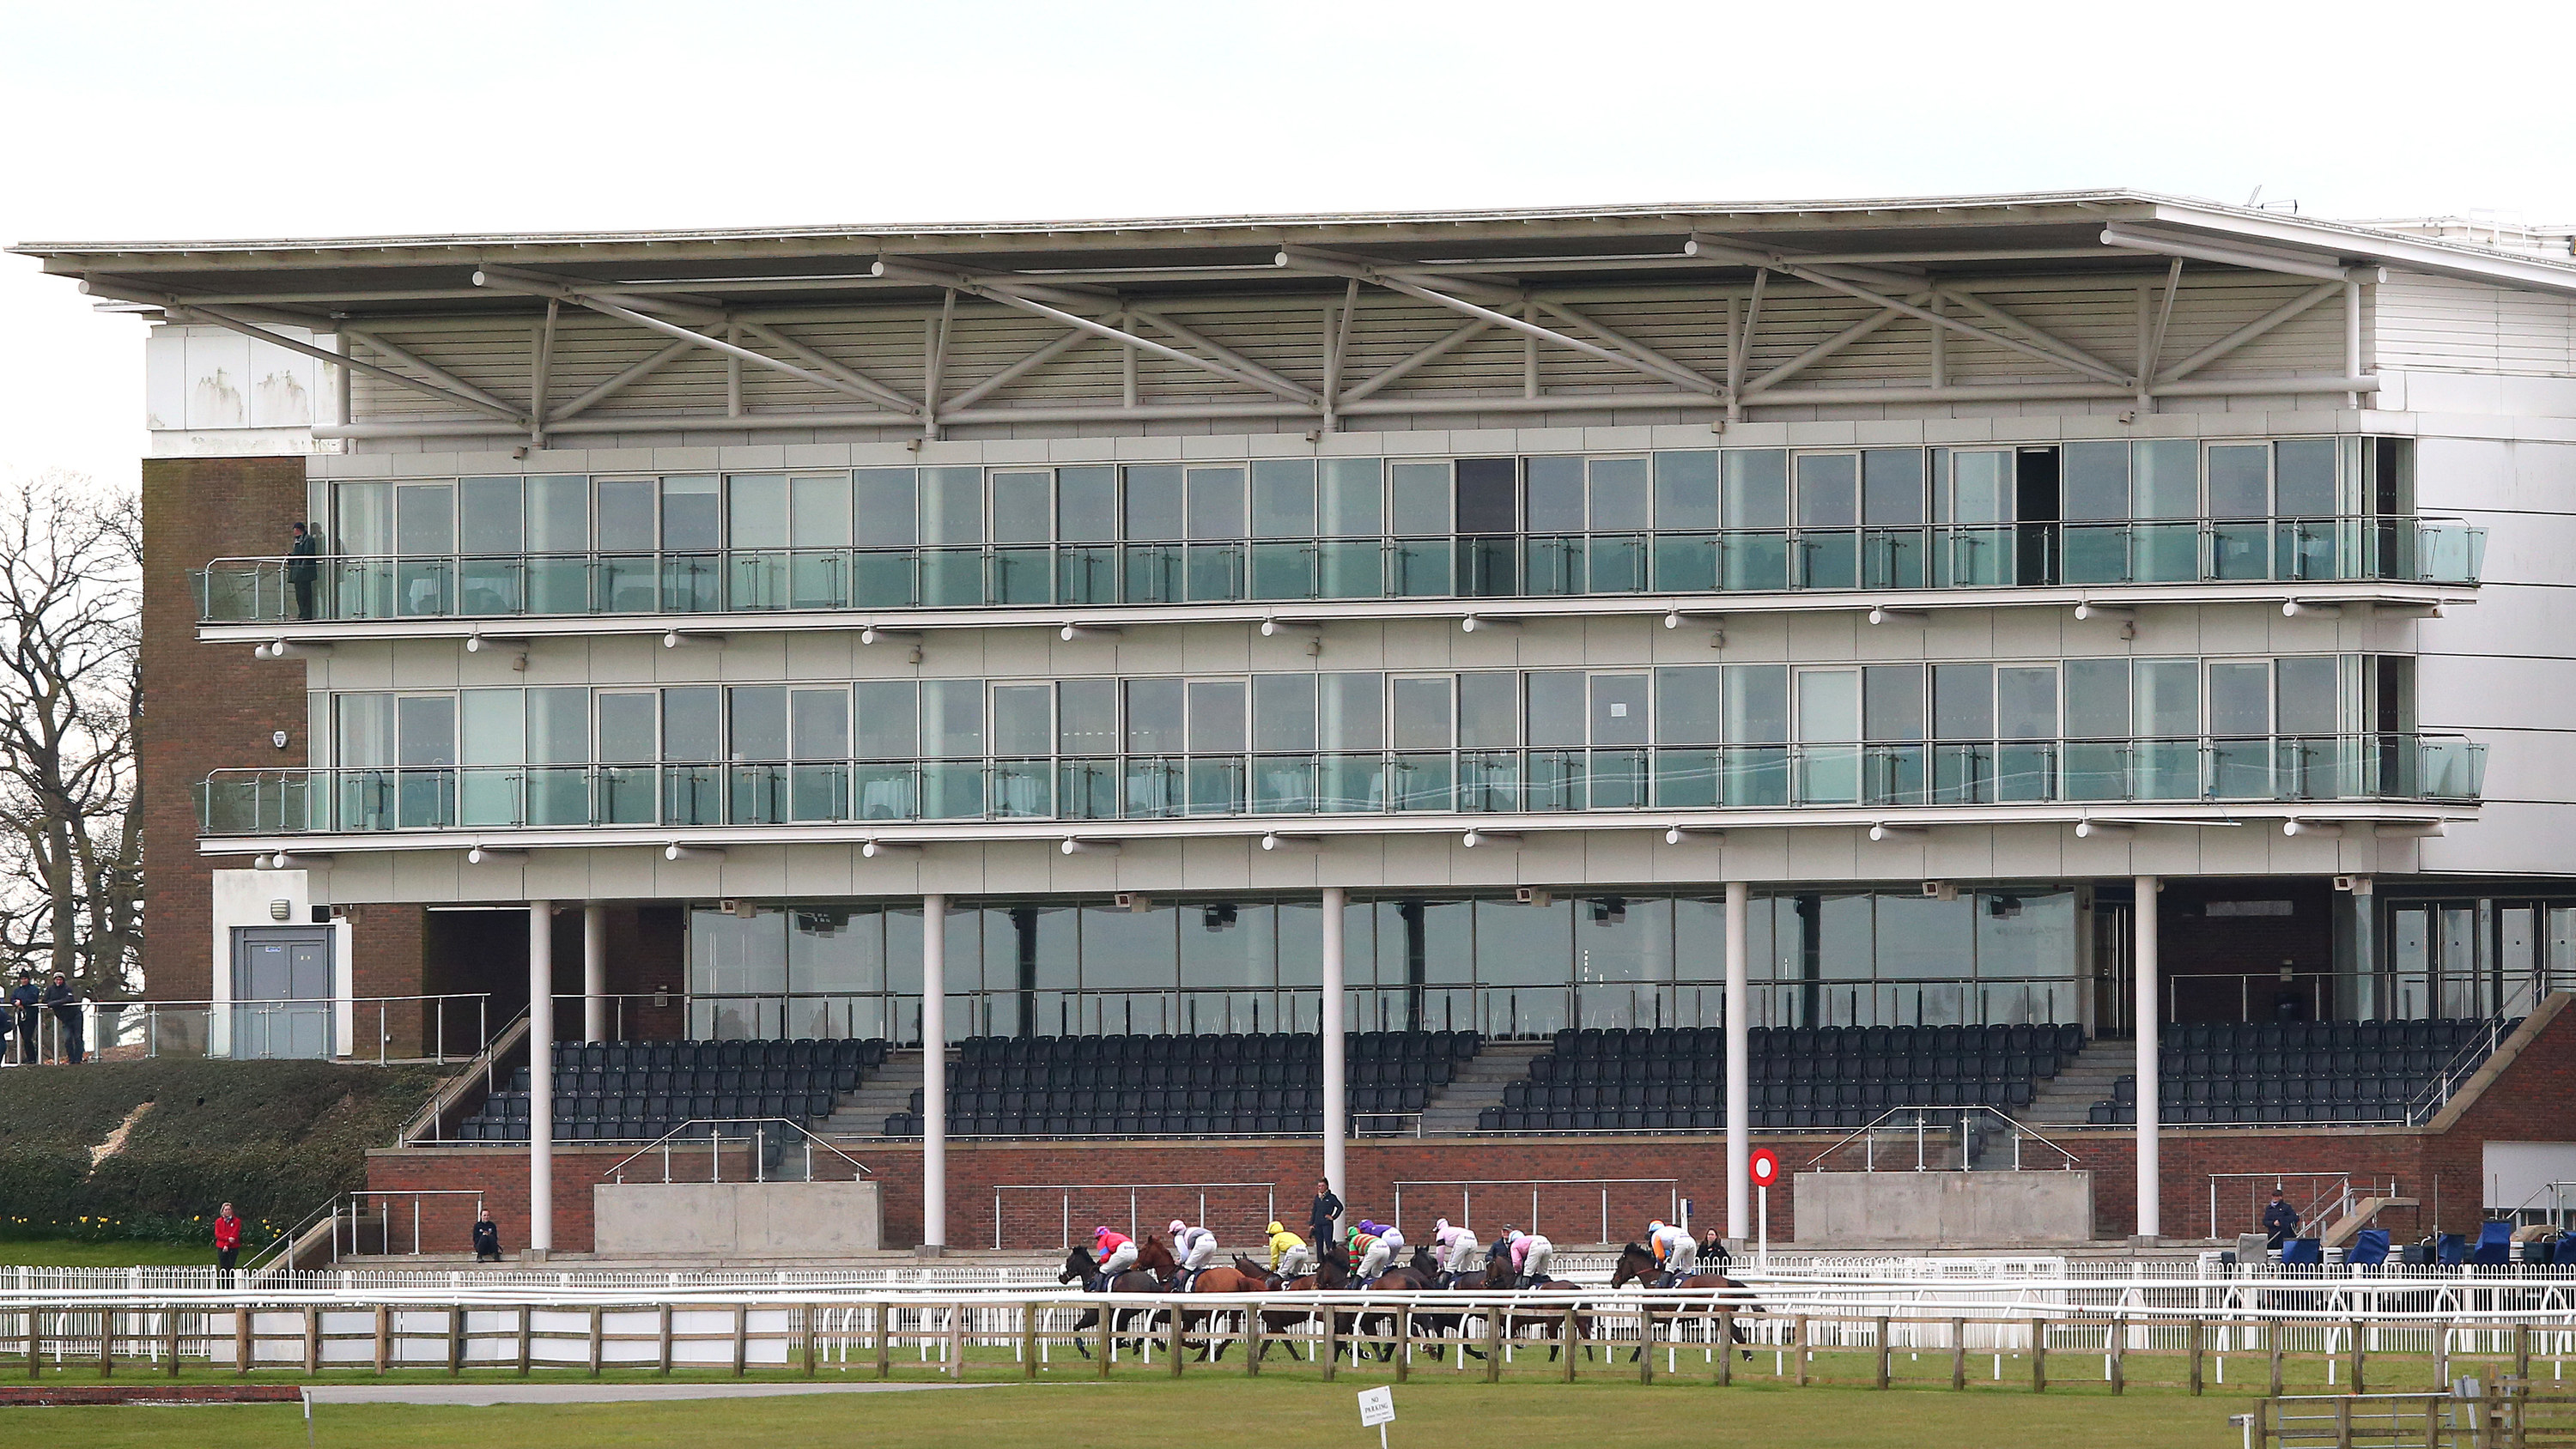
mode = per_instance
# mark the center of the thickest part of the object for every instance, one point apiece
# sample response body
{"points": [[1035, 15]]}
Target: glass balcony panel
{"points": [[558, 795], [1552, 566], [626, 795], [887, 791], [2164, 770], [1352, 784], [1556, 780], [1421, 568], [1087, 575], [240, 594], [1685, 563], [489, 795], [1755, 776], [1352, 570], [558, 585], [1617, 563], [1488, 568], [952, 789], [1424, 782], [2447, 769], [2240, 550], [692, 583], [1892, 558], [1753, 562], [2240, 769], [1828, 774], [1285, 570], [1021, 789], [1685, 779], [1215, 572], [1896, 774], [1963, 774], [2025, 772], [2164, 553], [1216, 785], [1618, 779], [488, 586], [1828, 559], [1023, 576], [423, 587], [756, 581], [818, 792], [629, 584], [1489, 781], [2304, 550], [2035, 554], [818, 578], [1087, 789], [693, 794], [1154, 573], [759, 794], [2448, 555], [1974, 557], [952, 578], [2096, 770], [1155, 788], [2096, 553], [881, 578], [1283, 785]]}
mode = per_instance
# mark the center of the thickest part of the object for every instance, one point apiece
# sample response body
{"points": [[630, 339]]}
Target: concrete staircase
{"points": [[2066, 1100], [882, 1092], [1452, 1110]]}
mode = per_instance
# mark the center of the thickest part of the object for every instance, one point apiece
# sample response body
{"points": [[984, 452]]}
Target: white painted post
{"points": [[1335, 1120], [2149, 1010], [594, 972], [1739, 1063], [541, 1077], [934, 1071]]}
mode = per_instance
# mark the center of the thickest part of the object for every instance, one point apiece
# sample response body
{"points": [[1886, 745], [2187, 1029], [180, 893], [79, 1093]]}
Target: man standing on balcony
{"points": [[302, 568], [22, 1004], [67, 1020]]}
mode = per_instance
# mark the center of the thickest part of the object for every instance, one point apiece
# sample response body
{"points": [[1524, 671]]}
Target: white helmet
{"points": [[1656, 1226], [1179, 1227]]}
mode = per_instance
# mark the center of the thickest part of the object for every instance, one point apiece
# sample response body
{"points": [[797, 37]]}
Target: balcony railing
{"points": [[1500, 781], [475, 586]]}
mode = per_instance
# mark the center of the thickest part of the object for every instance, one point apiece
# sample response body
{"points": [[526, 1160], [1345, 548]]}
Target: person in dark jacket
{"points": [[303, 568], [66, 1005], [1321, 1214], [22, 1004], [487, 1238], [2280, 1222]]}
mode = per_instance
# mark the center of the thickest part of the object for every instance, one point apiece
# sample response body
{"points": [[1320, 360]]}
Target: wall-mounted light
{"points": [[277, 738]]}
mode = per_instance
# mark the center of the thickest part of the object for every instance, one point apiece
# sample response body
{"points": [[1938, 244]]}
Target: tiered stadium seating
{"points": [[1142, 1086], [1674, 1078], [637, 1091], [2299, 1071]]}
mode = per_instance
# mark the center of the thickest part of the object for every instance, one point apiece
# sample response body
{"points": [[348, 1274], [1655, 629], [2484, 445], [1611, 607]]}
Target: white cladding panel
{"points": [[2447, 324], [211, 391]]}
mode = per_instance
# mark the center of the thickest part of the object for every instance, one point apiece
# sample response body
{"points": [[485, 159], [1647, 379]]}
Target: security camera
{"points": [[1940, 890], [1134, 901], [1534, 896]]}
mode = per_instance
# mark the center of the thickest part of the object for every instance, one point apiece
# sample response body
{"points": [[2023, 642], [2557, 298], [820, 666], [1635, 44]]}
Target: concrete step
{"points": [[1478, 1083], [2066, 1100], [882, 1093]]}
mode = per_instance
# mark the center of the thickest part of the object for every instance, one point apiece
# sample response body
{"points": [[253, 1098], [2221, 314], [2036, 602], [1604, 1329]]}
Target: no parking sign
{"points": [[1765, 1167]]}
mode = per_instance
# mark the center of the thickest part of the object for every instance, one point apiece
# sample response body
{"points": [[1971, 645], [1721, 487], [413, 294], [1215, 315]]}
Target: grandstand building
{"points": [[1627, 681]]}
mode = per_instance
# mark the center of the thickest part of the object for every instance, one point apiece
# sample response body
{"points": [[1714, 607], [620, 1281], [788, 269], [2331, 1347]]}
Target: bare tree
{"points": [[70, 841]]}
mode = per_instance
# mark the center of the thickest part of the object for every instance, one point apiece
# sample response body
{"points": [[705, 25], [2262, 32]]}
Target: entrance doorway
{"points": [[282, 1004]]}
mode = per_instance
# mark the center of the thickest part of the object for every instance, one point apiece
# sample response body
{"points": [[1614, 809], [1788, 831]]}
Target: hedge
{"points": [[275, 1139]]}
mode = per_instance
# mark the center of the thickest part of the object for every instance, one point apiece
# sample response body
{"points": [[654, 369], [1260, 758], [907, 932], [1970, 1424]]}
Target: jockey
{"points": [[1532, 1256], [1676, 1255], [1112, 1253], [1460, 1259], [1374, 1246], [1197, 1249], [1289, 1255], [1443, 1238]]}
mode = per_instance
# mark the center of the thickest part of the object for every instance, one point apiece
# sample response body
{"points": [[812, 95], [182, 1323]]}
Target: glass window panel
{"points": [[888, 514], [1757, 704], [1154, 717], [1489, 715], [495, 727], [1127, 950], [1622, 496], [835, 949], [1963, 701], [889, 720], [2166, 704], [759, 723], [1488, 495], [1515, 944], [731, 955], [2097, 481], [488, 515], [1351, 497], [1227, 945], [628, 730], [1846, 947], [1215, 502], [1283, 498], [1828, 705], [1023, 719], [627, 508], [1618, 939], [1422, 716], [2026, 702], [2240, 698], [425, 729], [1023, 507], [1686, 705], [1619, 709], [1685, 491], [1923, 939], [1980, 485], [2305, 690], [952, 719], [2239, 480], [1556, 708], [1555, 495], [2166, 478], [819, 510], [952, 506], [1828, 490], [424, 518], [1153, 502], [1352, 710], [1086, 504], [1283, 713], [1892, 486], [1217, 724], [2303, 483], [692, 516], [559, 726], [819, 723], [2097, 698], [366, 524], [366, 737], [756, 510], [1892, 702], [690, 727], [1422, 502], [1086, 716], [1754, 487], [2025, 935]]}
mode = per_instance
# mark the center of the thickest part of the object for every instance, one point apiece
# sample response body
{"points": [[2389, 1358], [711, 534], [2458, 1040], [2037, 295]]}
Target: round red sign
{"points": [[1765, 1167]]}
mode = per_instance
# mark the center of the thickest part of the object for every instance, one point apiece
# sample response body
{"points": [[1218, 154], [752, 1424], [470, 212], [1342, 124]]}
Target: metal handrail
{"points": [[149, 1012], [716, 1139], [2465, 1062], [1132, 1189], [357, 1204], [433, 1114], [1671, 1186], [1920, 1114]]}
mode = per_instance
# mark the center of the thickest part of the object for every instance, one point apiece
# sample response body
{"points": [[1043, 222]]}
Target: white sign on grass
{"points": [[1377, 1406]]}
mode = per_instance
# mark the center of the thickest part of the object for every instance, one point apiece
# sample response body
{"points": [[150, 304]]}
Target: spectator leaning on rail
{"points": [[227, 1239], [22, 1001], [304, 567], [487, 1238], [2280, 1222], [67, 1018], [1289, 1255]]}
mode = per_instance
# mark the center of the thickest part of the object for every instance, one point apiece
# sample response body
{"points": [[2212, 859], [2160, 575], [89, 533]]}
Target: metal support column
{"points": [[1336, 1120], [594, 972], [934, 1072], [541, 1077], [2150, 1010], [1739, 1064]]}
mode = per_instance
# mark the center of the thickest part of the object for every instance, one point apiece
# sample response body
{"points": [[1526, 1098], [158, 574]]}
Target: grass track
{"points": [[1273, 1413], [117, 1253]]}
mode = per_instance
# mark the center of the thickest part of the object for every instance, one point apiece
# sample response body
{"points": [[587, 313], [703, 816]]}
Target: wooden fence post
{"points": [[1725, 1347], [2522, 1354], [1252, 1327], [1645, 1343], [598, 1338], [2272, 1337], [106, 1341], [1798, 1349], [2199, 1334], [1495, 1322], [384, 1337], [957, 1340], [2039, 1355], [2357, 1351], [1332, 1343], [1958, 1353], [456, 1340], [741, 1338], [170, 1341], [1029, 1340], [2119, 1355], [2343, 1423], [312, 1340], [885, 1340], [810, 1318], [665, 1354], [1403, 1343], [1573, 1334], [1108, 1335], [1886, 1359]]}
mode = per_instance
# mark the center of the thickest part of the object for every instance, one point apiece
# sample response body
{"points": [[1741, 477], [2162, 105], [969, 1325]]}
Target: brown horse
{"points": [[1079, 1267], [1155, 1256], [1637, 1264], [1331, 1276], [1550, 1323]]}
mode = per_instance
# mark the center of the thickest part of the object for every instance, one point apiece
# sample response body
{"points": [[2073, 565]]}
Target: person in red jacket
{"points": [[227, 1238], [1112, 1253]]}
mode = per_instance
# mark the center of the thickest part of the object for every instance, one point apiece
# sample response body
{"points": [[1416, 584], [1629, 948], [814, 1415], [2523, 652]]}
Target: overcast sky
{"points": [[147, 120]]}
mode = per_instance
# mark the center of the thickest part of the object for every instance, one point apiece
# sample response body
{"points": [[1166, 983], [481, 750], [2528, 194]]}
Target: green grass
{"points": [[1273, 1413], [116, 1253]]}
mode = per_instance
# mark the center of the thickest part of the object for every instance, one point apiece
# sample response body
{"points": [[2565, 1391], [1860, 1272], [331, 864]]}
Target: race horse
{"points": [[1332, 1275], [1080, 1267], [1637, 1265], [1550, 1323], [1155, 1256]]}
